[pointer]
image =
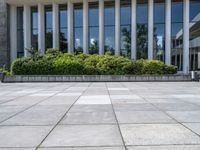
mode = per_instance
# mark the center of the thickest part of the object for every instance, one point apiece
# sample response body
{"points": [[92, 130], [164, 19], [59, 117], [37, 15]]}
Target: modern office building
{"points": [[166, 30]]}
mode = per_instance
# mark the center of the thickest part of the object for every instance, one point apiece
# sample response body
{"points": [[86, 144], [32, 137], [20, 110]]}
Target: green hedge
{"points": [[55, 62]]}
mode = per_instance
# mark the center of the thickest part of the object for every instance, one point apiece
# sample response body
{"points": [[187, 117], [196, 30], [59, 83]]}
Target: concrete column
{"points": [[41, 29], [186, 37], [150, 29], [13, 33], [168, 32], [56, 26], [133, 30], [27, 28], [85, 26], [70, 27], [117, 27], [101, 27]]}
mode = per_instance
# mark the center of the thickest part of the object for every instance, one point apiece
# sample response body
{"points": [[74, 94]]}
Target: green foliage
{"points": [[33, 53], [55, 62]]}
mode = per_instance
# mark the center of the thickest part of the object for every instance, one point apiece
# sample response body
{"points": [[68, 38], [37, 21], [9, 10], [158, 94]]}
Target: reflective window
{"points": [[20, 33], [78, 28], [194, 35], [142, 29], [63, 28], [109, 26], [93, 28], [48, 27], [34, 27], [125, 28], [177, 33], [159, 30]]}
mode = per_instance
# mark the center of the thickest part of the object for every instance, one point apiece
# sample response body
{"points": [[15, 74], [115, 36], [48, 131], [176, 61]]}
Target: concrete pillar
{"points": [[117, 27], [41, 29], [70, 27], [55, 26], [13, 32], [27, 28], [85, 26], [133, 30], [150, 29], [101, 27], [168, 32], [186, 36]]}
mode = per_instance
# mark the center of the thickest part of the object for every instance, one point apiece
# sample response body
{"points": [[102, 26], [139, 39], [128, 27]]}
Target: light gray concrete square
{"points": [[134, 107], [158, 134], [22, 136], [8, 111], [195, 127], [84, 135], [92, 100], [185, 116], [89, 118], [59, 100], [167, 147], [91, 108], [177, 106], [38, 115], [143, 117], [85, 148]]}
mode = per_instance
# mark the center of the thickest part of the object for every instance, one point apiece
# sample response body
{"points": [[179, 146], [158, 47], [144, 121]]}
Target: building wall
{"points": [[4, 53]]}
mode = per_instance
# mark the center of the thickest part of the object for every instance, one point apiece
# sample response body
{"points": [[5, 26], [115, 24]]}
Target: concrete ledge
{"points": [[96, 78]]}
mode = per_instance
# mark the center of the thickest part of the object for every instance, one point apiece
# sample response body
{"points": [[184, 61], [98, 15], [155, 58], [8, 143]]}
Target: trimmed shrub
{"points": [[58, 63], [68, 67]]}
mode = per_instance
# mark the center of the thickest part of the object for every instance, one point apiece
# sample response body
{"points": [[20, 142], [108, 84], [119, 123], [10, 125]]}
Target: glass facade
{"points": [[20, 33], [177, 33], [125, 23], [109, 26], [159, 30], [48, 27], [78, 28], [194, 35], [63, 28], [159, 26], [93, 28], [34, 27], [142, 29]]}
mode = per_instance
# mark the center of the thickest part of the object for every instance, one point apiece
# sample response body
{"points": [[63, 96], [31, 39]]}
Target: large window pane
{"points": [[34, 27], [48, 27], [194, 35], [20, 33], [93, 28], [159, 30], [78, 28], [109, 25], [177, 34], [142, 29], [125, 28], [63, 28]]}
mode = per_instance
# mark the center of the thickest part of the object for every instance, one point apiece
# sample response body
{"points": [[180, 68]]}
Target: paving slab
{"points": [[98, 99], [134, 107], [91, 108], [195, 127], [8, 111], [143, 117], [85, 148], [158, 134], [22, 136], [171, 147], [38, 115], [185, 116], [84, 135], [89, 118]]}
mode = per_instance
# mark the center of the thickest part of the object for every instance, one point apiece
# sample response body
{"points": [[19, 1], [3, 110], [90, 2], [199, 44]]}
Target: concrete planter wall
{"points": [[96, 78]]}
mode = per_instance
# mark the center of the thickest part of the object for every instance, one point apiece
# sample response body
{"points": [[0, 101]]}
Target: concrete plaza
{"points": [[100, 116]]}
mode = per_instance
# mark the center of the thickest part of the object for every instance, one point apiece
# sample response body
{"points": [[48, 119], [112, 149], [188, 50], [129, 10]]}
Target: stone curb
{"points": [[96, 78]]}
